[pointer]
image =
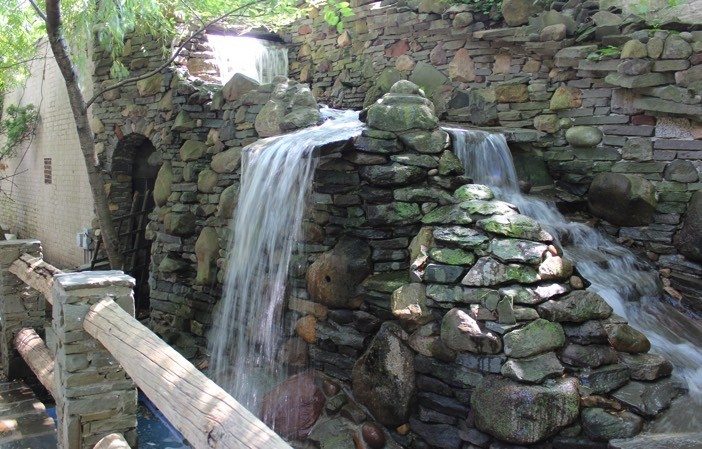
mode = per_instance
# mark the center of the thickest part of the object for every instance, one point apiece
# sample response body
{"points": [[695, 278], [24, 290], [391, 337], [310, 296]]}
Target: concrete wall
{"points": [[52, 213]]}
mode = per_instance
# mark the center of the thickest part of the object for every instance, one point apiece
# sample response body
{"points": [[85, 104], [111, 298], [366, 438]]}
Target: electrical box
{"points": [[84, 239]]}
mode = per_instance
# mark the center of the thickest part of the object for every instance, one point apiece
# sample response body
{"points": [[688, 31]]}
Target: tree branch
{"points": [[180, 48], [38, 10]]}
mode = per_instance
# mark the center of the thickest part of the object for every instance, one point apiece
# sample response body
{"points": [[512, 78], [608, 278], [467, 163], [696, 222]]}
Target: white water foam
{"points": [[628, 283], [276, 178]]}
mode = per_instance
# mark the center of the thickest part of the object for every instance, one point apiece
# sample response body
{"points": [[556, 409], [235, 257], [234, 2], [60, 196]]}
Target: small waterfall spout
{"points": [[276, 177], [627, 283], [256, 58]]}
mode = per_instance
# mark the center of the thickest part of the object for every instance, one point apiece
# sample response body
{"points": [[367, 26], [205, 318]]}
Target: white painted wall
{"points": [[52, 213]]}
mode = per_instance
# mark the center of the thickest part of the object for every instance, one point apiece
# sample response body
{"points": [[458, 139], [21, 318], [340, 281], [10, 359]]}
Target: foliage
{"points": [[334, 11], [607, 52], [19, 30], [19, 123], [491, 7], [107, 22]]}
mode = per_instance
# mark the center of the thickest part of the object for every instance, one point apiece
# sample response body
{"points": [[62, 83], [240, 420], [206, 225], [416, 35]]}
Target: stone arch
{"points": [[133, 167]]}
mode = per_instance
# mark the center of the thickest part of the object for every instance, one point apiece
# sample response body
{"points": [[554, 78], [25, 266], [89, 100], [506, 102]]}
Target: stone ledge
{"points": [[93, 279], [513, 135]]}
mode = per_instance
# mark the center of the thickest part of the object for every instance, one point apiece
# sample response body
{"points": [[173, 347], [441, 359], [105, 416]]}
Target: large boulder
{"points": [[622, 199], [524, 414], [689, 239], [334, 277], [383, 378], [292, 408]]}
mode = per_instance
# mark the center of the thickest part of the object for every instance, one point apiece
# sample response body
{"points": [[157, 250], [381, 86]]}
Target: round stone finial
{"points": [[406, 87]]}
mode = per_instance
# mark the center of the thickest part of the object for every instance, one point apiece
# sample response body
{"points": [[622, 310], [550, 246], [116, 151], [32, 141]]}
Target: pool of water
{"points": [[153, 429]]}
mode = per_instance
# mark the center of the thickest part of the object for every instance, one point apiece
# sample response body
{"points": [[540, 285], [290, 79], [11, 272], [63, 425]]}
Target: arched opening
{"points": [[134, 169]]}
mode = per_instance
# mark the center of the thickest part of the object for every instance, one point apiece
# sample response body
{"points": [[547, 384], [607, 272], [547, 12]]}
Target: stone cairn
{"points": [[477, 332]]}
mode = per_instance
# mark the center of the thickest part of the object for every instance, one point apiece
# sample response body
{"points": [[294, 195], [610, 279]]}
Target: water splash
{"points": [[256, 58], [248, 329], [628, 283]]}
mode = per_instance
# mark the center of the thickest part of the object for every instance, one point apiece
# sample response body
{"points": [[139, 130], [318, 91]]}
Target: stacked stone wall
{"points": [[453, 318], [533, 76]]}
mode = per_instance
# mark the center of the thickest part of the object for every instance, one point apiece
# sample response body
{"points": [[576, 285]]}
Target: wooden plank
{"points": [[112, 441], [34, 351], [36, 273], [206, 415]]}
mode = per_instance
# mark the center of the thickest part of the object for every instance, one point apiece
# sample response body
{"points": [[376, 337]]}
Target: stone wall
{"points": [[453, 318], [534, 76], [198, 128]]}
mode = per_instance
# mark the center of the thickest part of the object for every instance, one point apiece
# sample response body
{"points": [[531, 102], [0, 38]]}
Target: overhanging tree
{"points": [[73, 26]]}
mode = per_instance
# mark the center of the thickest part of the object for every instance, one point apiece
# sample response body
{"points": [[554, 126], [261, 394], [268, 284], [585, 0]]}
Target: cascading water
{"points": [[256, 58], [626, 282], [275, 182]]}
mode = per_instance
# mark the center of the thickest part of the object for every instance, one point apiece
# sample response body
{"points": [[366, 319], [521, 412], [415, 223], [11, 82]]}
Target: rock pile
{"points": [[489, 335]]}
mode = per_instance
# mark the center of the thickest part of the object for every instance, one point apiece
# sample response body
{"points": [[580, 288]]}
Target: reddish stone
{"points": [[696, 58], [399, 48], [293, 407], [438, 55], [373, 435], [643, 120], [330, 387], [304, 29]]}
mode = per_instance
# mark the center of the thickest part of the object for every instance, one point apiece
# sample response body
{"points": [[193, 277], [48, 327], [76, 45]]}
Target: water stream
{"points": [[259, 59], [276, 179], [628, 283]]}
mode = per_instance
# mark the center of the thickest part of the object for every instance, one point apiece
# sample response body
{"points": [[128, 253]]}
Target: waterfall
{"points": [[276, 178], [256, 58], [628, 284]]}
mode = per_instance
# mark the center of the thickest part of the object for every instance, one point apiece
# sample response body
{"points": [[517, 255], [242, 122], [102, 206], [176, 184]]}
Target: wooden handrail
{"points": [[34, 351], [112, 441], [36, 273], [206, 415]]}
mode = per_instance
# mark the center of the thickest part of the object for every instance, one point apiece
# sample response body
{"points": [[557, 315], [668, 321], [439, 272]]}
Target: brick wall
{"points": [[52, 213]]}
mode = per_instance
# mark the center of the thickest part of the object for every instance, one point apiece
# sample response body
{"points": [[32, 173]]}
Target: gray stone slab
{"points": [[93, 279]]}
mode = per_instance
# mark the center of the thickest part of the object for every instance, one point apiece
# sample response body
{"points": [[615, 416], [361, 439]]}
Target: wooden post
{"points": [[112, 441], [206, 415], [35, 353], [94, 395], [20, 306]]}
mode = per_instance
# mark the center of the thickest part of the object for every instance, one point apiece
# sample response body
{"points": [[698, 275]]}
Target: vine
{"points": [[334, 11], [19, 124]]}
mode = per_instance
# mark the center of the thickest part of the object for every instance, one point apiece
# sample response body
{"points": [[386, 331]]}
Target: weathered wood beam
{"points": [[34, 351], [112, 441], [36, 273], [206, 415]]}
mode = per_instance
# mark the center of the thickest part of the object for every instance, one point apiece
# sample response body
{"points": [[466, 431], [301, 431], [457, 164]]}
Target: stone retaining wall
{"points": [[543, 71]]}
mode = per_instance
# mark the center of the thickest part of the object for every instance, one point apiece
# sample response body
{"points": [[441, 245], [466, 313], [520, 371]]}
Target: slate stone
{"points": [[460, 332], [646, 366], [603, 380], [533, 369], [535, 338], [591, 356], [603, 425], [576, 307], [646, 398]]}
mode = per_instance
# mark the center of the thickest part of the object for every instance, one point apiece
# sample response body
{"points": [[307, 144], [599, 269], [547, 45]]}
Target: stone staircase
{"points": [[24, 423]]}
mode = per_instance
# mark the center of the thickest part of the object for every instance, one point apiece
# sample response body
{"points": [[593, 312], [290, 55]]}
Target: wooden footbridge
{"points": [[93, 357]]}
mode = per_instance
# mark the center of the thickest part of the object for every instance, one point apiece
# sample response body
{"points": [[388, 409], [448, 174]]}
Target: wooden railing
{"points": [[98, 354]]}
